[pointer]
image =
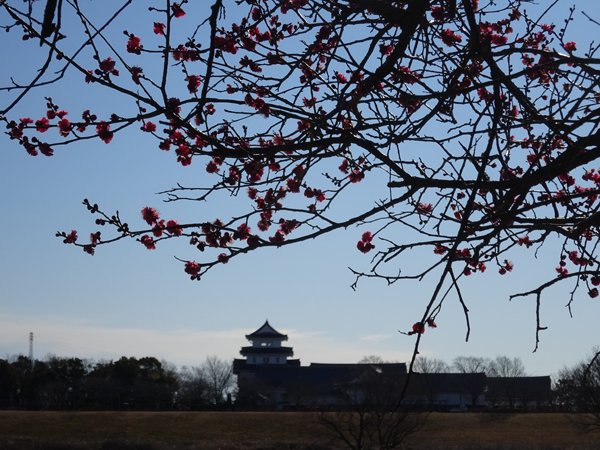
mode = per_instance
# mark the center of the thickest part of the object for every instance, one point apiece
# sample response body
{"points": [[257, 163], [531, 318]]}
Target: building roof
{"points": [[240, 365], [285, 351], [449, 382], [266, 331], [499, 387], [322, 377]]}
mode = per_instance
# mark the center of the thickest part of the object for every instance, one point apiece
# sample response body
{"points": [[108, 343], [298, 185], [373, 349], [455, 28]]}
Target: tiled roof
{"points": [[266, 331], [287, 351]]}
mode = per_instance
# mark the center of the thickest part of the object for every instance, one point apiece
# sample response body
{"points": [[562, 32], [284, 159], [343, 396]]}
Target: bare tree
{"points": [[371, 359], [503, 366], [193, 391], [423, 364], [504, 384], [218, 375], [472, 367], [471, 364], [369, 413], [578, 389]]}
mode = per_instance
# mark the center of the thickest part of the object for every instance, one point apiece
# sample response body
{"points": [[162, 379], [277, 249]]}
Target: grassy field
{"points": [[272, 431]]}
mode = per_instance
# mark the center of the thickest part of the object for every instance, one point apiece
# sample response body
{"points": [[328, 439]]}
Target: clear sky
{"points": [[128, 301]]}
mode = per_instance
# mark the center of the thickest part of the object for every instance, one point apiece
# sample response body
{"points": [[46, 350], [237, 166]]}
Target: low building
{"points": [[269, 378], [518, 392]]}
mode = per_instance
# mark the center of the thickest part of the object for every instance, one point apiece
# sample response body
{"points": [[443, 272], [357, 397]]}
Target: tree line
{"points": [[129, 383], [574, 389]]}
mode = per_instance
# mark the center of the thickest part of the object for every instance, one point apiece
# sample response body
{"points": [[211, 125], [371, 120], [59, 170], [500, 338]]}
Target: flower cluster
{"points": [[365, 245]]}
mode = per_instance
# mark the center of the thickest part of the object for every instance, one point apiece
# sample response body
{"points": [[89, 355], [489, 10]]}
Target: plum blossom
{"points": [[134, 45], [159, 28], [192, 268], [150, 215], [365, 245], [450, 38], [424, 209], [148, 242], [71, 238], [177, 11], [149, 127]]}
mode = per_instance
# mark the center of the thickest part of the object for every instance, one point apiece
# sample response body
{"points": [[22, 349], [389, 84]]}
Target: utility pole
{"points": [[31, 348]]}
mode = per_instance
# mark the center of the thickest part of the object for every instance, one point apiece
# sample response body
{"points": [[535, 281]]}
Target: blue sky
{"points": [[126, 300]]}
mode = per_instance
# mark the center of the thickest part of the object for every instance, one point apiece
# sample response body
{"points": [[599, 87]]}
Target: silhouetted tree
{"points": [[578, 389], [369, 412], [218, 375]]}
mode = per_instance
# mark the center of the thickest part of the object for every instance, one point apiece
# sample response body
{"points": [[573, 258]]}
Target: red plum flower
{"points": [[150, 215], [134, 45], [71, 237], [148, 242], [192, 268], [177, 11], [159, 28]]}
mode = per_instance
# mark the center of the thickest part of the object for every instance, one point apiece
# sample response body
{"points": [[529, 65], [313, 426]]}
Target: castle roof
{"points": [[266, 331], [276, 351]]}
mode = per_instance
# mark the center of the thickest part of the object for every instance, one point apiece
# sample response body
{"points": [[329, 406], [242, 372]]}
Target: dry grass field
{"points": [[272, 431]]}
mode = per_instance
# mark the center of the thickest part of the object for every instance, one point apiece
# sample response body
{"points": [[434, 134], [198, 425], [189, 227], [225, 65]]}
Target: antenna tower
{"points": [[31, 347]]}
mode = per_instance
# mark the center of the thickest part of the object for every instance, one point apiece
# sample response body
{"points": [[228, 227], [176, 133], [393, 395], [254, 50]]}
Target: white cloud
{"points": [[376, 337], [78, 338]]}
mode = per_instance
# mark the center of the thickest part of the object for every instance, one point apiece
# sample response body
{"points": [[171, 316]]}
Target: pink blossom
{"points": [[64, 127], [192, 268], [193, 83], [438, 13], [499, 40], [385, 49], [71, 238], [157, 230], [356, 176], [571, 46], [450, 38], [439, 249], [148, 242], [134, 45], [341, 78], [424, 209], [278, 238], [159, 28], [303, 125], [212, 167], [418, 328], [226, 43], [103, 132], [30, 149], [45, 149], [108, 66], [177, 11], [135, 74], [149, 127], [524, 240], [173, 104], [242, 233], [365, 245], [174, 228], [150, 215]]}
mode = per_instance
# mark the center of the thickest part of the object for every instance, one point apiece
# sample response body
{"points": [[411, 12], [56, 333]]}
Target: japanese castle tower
{"points": [[266, 347]]}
